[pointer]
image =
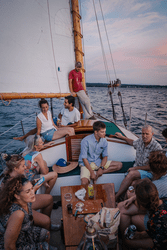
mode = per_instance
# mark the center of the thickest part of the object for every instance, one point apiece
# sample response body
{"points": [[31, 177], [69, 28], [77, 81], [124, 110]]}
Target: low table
{"points": [[74, 228]]}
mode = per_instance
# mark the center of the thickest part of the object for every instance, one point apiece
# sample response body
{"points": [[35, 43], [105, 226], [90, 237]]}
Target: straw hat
{"points": [[62, 166]]}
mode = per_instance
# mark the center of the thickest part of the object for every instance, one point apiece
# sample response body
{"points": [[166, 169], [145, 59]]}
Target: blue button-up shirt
{"points": [[91, 149]]}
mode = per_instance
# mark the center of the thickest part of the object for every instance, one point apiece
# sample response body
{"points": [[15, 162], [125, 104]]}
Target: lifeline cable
{"points": [[120, 99]]}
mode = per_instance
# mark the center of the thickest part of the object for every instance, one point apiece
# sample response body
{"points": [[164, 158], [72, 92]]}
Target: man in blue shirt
{"points": [[92, 148]]}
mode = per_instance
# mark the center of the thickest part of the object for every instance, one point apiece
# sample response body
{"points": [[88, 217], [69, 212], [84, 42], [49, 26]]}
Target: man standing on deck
{"points": [[76, 87], [144, 146], [92, 148]]}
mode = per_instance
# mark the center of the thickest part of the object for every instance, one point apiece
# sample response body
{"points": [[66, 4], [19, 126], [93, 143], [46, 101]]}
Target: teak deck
{"points": [[75, 228]]}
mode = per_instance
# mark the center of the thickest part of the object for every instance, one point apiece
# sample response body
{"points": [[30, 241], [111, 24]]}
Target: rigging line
{"points": [[8, 102], [99, 115], [102, 47], [17, 124], [53, 46], [108, 40], [124, 117], [6, 145]]}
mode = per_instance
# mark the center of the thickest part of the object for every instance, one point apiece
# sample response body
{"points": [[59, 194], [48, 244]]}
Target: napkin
{"points": [[80, 194]]}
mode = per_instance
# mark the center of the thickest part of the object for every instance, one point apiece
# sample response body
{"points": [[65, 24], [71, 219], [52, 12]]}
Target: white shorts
{"points": [[85, 173]]}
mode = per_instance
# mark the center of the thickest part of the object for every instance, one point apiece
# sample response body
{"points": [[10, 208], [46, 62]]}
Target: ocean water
{"points": [[150, 103]]}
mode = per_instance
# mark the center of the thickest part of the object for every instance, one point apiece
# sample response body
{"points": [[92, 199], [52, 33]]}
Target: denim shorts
{"points": [[48, 135], [145, 174]]}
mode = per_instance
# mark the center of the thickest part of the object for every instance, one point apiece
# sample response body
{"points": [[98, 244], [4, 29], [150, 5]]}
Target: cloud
{"points": [[137, 35]]}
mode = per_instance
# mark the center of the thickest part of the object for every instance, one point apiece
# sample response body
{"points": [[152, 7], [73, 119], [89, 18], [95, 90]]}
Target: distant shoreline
{"points": [[126, 85]]}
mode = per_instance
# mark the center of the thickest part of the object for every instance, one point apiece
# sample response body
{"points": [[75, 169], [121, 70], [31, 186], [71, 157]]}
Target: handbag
{"points": [[106, 222]]}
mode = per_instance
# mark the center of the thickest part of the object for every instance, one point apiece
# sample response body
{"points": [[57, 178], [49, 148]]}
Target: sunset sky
{"points": [[137, 32]]}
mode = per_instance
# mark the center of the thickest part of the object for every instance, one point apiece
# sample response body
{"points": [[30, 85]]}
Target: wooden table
{"points": [[75, 228]]}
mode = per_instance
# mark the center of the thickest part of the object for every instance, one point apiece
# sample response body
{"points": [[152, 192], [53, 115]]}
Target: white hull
{"points": [[75, 180], [117, 151]]}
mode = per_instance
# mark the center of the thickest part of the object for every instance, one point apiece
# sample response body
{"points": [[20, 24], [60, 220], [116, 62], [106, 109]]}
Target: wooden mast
{"points": [[78, 37]]}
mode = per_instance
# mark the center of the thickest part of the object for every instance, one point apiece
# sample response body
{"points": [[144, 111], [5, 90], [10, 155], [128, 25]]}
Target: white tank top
{"points": [[46, 124]]}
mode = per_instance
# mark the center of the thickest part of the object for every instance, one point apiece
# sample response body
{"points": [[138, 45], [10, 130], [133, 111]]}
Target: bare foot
{"points": [[21, 138]]}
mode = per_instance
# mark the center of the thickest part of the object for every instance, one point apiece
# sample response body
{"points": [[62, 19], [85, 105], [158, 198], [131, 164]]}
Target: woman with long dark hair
{"points": [[151, 219], [46, 126], [17, 219]]}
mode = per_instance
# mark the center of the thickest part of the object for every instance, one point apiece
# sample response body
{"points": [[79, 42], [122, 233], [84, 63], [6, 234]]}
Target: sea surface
{"points": [[147, 105]]}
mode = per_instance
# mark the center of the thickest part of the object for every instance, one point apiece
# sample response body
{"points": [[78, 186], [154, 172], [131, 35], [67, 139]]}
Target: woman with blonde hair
{"points": [[34, 161], [16, 166]]}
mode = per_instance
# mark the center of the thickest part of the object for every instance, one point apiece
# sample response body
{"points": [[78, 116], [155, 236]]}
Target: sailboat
{"points": [[40, 42]]}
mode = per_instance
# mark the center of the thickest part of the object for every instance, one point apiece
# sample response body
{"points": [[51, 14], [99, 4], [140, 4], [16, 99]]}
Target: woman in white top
{"points": [[46, 126]]}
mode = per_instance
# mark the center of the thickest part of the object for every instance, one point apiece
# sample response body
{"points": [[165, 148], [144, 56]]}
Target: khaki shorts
{"points": [[85, 173]]}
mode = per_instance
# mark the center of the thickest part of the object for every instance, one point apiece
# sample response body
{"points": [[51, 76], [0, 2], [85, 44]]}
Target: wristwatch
{"points": [[101, 167]]}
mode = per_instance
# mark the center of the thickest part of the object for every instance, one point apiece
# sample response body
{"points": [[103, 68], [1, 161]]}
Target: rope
{"points": [[99, 115], [6, 145], [113, 109], [108, 40], [52, 45], [8, 101], [103, 52], [16, 124], [120, 99]]}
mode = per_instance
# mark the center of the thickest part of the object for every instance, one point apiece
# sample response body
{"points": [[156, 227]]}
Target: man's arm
{"points": [[71, 88], [73, 124], [100, 171], [146, 168], [120, 136], [87, 165], [60, 116]]}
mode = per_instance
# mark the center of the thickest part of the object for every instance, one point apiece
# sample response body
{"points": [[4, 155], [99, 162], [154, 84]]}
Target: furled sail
{"points": [[36, 48]]}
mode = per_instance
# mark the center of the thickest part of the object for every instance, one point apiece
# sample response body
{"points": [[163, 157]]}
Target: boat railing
{"points": [[20, 122]]}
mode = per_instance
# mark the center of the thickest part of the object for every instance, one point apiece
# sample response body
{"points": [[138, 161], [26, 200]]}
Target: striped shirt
{"points": [[161, 185]]}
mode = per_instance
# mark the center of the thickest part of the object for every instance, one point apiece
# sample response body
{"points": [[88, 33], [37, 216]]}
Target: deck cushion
{"points": [[76, 171]]}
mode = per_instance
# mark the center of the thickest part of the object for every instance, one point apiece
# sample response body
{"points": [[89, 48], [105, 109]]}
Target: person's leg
{"points": [[84, 181], [44, 202], [114, 166], [50, 178], [84, 99], [132, 175], [138, 221], [41, 220], [144, 243], [43, 168], [84, 175], [127, 215], [31, 132], [61, 132]]}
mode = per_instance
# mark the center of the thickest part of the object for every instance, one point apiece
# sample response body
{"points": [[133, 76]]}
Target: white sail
{"points": [[29, 63]]}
